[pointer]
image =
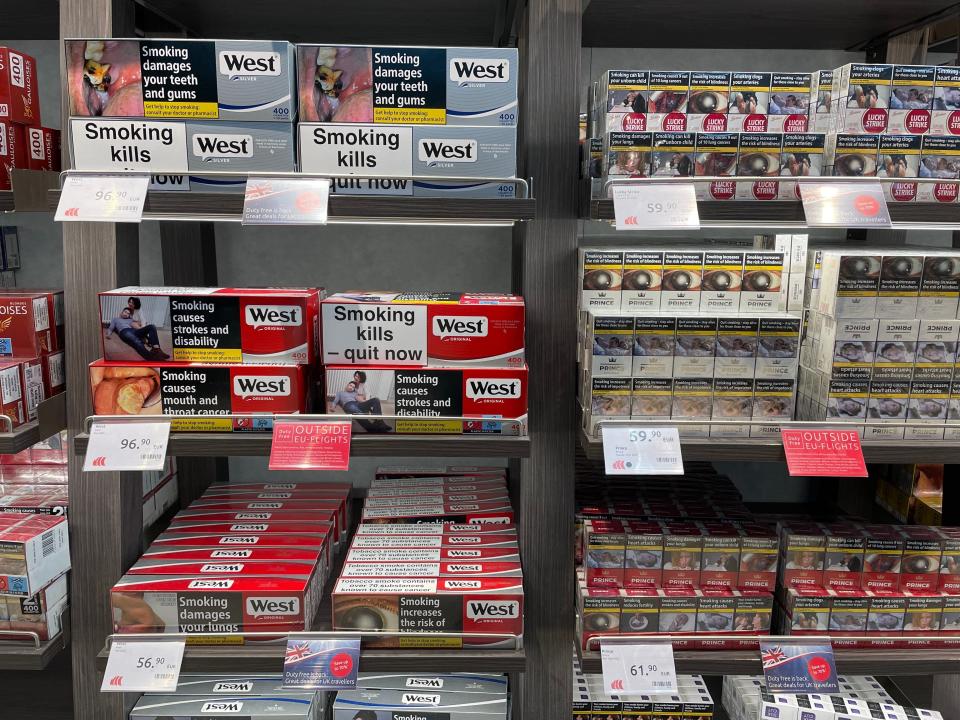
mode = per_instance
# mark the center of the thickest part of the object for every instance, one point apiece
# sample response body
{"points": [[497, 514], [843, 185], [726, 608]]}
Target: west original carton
{"points": [[19, 94], [945, 118], [169, 388], [801, 155], [911, 99], [762, 281], [759, 157], [673, 154], [625, 102], [896, 349], [682, 279], [452, 605], [749, 98], [601, 277], [736, 349], [408, 150], [611, 341], [708, 101], [669, 91], [789, 102], [642, 281], [695, 347], [651, 398], [732, 401], [230, 80], [900, 158], [281, 705], [940, 159], [215, 554], [939, 286], [864, 91], [419, 329], [177, 146], [721, 282], [408, 85], [211, 324]]}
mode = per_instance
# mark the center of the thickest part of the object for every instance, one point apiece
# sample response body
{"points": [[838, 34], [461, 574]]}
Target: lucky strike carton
{"points": [[418, 329], [226, 325], [170, 388], [19, 95], [468, 605]]}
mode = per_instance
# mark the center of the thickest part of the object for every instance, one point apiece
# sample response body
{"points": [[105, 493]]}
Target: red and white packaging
{"points": [[55, 311], [401, 491], [19, 96], [13, 151], [34, 549], [432, 499], [434, 529], [321, 530], [43, 149], [342, 488], [468, 606], [26, 324], [267, 501], [38, 502], [386, 474], [54, 372], [39, 614], [843, 563], [320, 518], [212, 605], [34, 388], [248, 554], [399, 542], [420, 329], [239, 503], [494, 512], [883, 555], [432, 555], [803, 559], [12, 396], [456, 568], [922, 554], [225, 325]]}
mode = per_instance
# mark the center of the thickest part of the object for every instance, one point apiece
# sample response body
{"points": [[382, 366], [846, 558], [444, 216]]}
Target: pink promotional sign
{"points": [[823, 453], [310, 445]]}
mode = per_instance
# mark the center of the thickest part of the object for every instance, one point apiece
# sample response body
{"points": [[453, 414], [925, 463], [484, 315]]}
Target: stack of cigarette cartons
{"points": [[837, 707], [743, 694], [402, 115], [466, 696]]}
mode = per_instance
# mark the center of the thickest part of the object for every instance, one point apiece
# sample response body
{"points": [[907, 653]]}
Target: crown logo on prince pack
{"points": [[236, 64], [433, 151], [493, 388], [273, 315], [469, 70]]}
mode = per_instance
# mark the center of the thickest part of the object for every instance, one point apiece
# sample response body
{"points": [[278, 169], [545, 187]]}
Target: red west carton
{"points": [[234, 325], [420, 329], [379, 556], [19, 98], [307, 514], [249, 554]]}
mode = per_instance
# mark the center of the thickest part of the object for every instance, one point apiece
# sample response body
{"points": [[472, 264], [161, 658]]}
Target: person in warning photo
{"points": [[142, 338], [353, 403]]}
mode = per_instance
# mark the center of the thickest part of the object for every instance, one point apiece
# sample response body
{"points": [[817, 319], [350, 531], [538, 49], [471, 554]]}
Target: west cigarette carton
{"points": [[383, 556], [419, 702], [280, 705], [227, 80], [232, 325], [408, 151], [419, 329], [497, 512], [408, 85], [19, 94], [468, 605], [252, 684], [168, 388], [178, 146], [213, 554]]}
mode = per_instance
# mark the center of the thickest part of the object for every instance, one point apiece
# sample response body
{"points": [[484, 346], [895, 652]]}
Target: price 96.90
{"points": [[133, 443]]}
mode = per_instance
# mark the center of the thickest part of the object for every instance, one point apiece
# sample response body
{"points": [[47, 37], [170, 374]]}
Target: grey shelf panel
{"points": [[6, 200], [269, 658], [28, 656], [763, 450], [52, 419], [200, 444], [229, 206]]}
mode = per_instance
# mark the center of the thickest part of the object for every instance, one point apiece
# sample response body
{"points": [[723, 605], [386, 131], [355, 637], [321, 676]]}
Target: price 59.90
{"points": [[644, 435], [656, 208]]}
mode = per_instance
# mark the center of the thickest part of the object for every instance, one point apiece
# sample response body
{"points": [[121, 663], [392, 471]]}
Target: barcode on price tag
{"points": [[638, 669], [102, 198], [143, 666], [649, 206], [641, 450], [126, 446]]}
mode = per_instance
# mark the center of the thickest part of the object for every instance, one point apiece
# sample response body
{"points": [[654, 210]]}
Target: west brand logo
{"points": [[209, 584], [493, 389], [464, 70], [36, 143], [419, 699], [208, 145], [464, 568], [463, 553], [264, 506], [249, 63], [446, 325], [425, 683], [240, 540], [253, 516], [232, 554], [233, 687], [249, 527], [273, 606], [276, 315], [480, 609], [283, 486], [222, 707], [462, 585], [17, 72], [455, 151], [463, 539], [222, 568], [269, 385]]}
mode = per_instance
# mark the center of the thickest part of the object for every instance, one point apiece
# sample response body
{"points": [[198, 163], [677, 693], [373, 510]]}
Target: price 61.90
{"points": [[642, 671], [134, 443]]}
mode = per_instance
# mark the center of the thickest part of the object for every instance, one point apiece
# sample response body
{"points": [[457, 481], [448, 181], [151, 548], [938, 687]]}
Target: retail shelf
{"points": [[6, 200], [52, 418], [29, 193], [31, 653]]}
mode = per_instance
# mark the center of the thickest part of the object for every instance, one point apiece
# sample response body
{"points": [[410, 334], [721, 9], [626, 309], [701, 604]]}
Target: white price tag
{"points": [[148, 666], [669, 206], [641, 450], [635, 669], [844, 204], [286, 201], [126, 446], [103, 198]]}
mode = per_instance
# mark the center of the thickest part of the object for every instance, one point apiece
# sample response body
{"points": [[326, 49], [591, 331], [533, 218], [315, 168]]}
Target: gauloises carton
{"points": [[263, 325], [27, 323], [169, 388], [418, 329], [19, 96]]}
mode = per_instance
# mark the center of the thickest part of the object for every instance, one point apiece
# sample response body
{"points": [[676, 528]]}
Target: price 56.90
{"points": [[148, 663]]}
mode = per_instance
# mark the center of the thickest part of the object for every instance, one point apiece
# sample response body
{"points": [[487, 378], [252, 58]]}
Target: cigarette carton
{"points": [[43, 149], [695, 347], [452, 605], [625, 103], [883, 555], [457, 568], [736, 350], [895, 350], [438, 496], [732, 401], [939, 286], [759, 157], [408, 151], [215, 554], [721, 282], [864, 92], [321, 514], [678, 610], [911, 99], [600, 279], [28, 324], [929, 401], [611, 342], [609, 398], [35, 551], [708, 101], [789, 102], [716, 153], [211, 325], [39, 614], [19, 95], [169, 388], [351, 704], [952, 431], [651, 398], [801, 155], [886, 614], [758, 563], [939, 158], [849, 611], [669, 92], [823, 101], [849, 284], [175, 78], [497, 512], [888, 403], [13, 151], [774, 401], [642, 275], [760, 290], [843, 561], [627, 154], [749, 98], [923, 614], [900, 158], [945, 116], [408, 85], [177, 146], [281, 705], [804, 559], [693, 400], [673, 154], [418, 329], [851, 155], [682, 275], [442, 682], [438, 529], [643, 569], [378, 556]]}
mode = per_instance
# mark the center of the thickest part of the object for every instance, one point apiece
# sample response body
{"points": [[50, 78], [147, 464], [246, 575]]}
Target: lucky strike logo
{"points": [[674, 122], [798, 123], [634, 122], [874, 120], [766, 189], [755, 123], [945, 192], [722, 189], [715, 122], [917, 121], [493, 609], [953, 123], [903, 191]]}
